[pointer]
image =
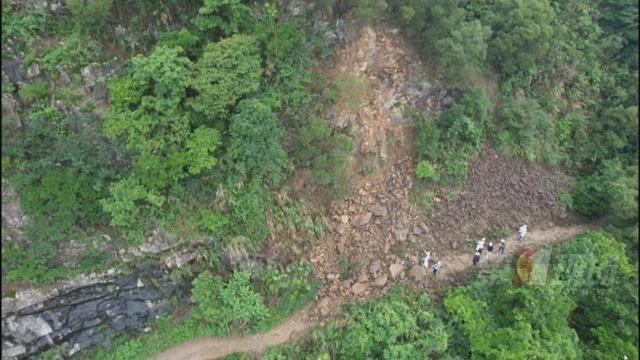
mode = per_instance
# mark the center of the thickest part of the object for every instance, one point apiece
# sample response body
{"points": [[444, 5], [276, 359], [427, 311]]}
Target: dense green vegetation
{"points": [[585, 309], [234, 306], [213, 107]]}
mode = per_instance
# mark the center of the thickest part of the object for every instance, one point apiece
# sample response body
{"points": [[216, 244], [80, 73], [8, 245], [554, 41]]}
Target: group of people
{"points": [[436, 262], [522, 232]]}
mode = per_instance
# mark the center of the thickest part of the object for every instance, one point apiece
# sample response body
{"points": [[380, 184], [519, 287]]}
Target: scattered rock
{"points": [[139, 283], [395, 270], [454, 245], [344, 219], [358, 288], [375, 267], [401, 234], [380, 280], [362, 219], [417, 230], [418, 273], [378, 210]]}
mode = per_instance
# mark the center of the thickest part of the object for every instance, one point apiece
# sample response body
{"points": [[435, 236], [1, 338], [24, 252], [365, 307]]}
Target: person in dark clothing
{"points": [[490, 249], [501, 247], [476, 258], [436, 267]]}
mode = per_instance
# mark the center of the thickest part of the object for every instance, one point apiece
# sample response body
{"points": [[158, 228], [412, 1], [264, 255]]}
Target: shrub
{"points": [[226, 305], [90, 14], [367, 10], [227, 71], [74, 53], [182, 39], [224, 17], [350, 89], [524, 129], [34, 91], [254, 151], [426, 170]]}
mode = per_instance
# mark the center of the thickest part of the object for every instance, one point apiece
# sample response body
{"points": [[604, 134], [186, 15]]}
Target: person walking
{"points": [[480, 246], [522, 232], [425, 259], [489, 249], [501, 246], [476, 258], [436, 266]]}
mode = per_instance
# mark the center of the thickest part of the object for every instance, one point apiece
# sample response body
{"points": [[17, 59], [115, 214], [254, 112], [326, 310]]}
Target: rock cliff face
{"points": [[88, 314]]}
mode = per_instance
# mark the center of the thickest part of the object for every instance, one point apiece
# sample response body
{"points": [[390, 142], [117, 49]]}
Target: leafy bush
{"points": [[64, 197], [452, 141], [612, 191], [223, 17], [254, 151], [248, 213], [182, 39], [74, 53], [227, 71], [427, 171], [324, 150], [226, 305], [34, 92], [367, 10], [522, 33], [21, 25], [444, 31], [523, 128], [90, 14]]}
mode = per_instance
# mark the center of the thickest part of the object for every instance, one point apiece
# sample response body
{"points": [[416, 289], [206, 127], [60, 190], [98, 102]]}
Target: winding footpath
{"points": [[301, 322]]}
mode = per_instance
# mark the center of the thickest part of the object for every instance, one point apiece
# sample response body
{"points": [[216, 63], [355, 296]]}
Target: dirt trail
{"points": [[298, 324]]}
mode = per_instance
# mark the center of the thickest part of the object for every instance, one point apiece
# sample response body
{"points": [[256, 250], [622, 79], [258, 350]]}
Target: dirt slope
{"points": [[297, 325]]}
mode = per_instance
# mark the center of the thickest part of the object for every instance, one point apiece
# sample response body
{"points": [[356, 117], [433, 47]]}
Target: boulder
{"points": [[358, 288], [418, 273], [395, 270], [378, 210], [380, 281], [362, 220]]}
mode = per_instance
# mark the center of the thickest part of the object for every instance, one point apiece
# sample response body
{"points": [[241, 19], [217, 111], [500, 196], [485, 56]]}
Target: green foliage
{"points": [[248, 213], [227, 71], [21, 24], [124, 203], [63, 197], [323, 149], [254, 151], [522, 33], [348, 92], [367, 10], [90, 15], [289, 290], [458, 45], [225, 305], [455, 139], [523, 128], [182, 39], [148, 112], [34, 92], [72, 54], [400, 325], [224, 17], [426, 170], [460, 55], [612, 191]]}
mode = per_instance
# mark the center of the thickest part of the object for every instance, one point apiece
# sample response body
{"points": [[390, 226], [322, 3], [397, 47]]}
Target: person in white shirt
{"points": [[522, 232], [426, 258]]}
